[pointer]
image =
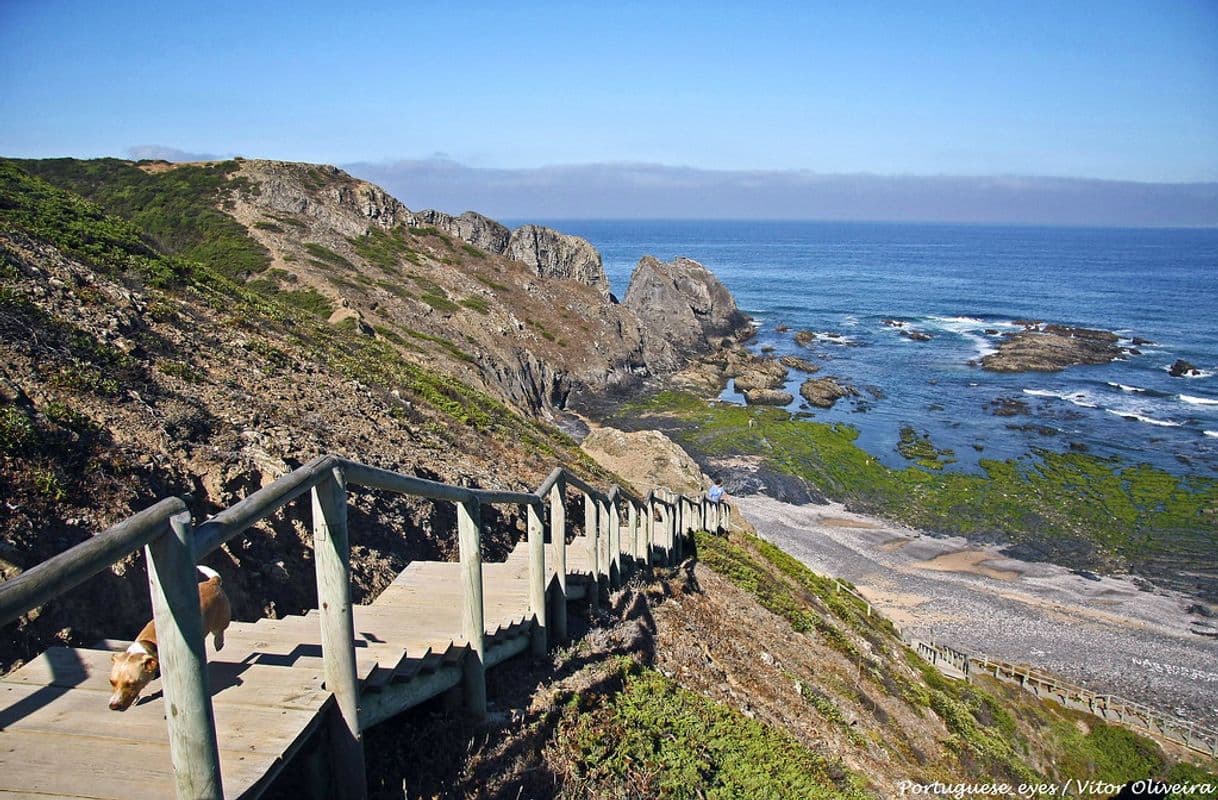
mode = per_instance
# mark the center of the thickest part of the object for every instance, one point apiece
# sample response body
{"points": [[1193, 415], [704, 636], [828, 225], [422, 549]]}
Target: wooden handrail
{"points": [[1106, 706], [45, 581], [174, 546]]}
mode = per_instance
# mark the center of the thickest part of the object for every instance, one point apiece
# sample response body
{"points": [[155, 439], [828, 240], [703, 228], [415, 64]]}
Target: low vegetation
{"points": [[994, 730], [1093, 511], [653, 738], [174, 209]]}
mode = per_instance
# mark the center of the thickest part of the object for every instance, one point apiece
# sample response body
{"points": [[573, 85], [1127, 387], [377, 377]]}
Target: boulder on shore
{"points": [[824, 392], [801, 364], [761, 374], [768, 397]]}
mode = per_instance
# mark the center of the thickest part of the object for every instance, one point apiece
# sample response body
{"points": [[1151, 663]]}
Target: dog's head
{"points": [[129, 674]]}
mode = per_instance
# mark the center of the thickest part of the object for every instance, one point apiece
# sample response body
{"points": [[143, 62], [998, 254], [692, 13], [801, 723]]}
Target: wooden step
{"points": [[234, 684]]}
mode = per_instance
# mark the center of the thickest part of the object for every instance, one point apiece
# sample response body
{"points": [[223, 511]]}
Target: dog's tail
{"points": [[209, 573]]}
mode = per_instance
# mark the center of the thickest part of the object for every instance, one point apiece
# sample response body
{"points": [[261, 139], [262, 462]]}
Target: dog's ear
{"points": [[150, 664]]}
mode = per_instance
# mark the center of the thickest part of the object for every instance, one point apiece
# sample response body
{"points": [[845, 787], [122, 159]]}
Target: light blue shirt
{"points": [[715, 493]]}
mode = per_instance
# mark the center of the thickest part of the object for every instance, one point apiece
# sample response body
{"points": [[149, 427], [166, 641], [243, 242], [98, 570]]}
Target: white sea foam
{"points": [[1077, 398], [1124, 388], [972, 328], [1212, 433], [1143, 418], [1198, 401], [962, 323], [983, 345]]}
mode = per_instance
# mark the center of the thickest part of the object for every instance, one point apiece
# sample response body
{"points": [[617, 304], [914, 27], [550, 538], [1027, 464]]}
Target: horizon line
{"points": [[852, 221]]}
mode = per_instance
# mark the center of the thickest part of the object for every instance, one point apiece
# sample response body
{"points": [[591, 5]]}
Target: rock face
{"points": [[684, 310], [558, 255], [824, 392], [470, 227], [1050, 348], [527, 312], [549, 253]]}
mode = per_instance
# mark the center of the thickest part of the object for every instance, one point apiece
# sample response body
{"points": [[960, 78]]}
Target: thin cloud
{"points": [[156, 152], [636, 190]]}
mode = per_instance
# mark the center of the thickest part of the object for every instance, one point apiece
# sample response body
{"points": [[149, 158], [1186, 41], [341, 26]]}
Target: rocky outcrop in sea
{"points": [[1049, 348]]}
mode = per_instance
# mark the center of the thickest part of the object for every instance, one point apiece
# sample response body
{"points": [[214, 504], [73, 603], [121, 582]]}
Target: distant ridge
{"points": [[643, 191]]}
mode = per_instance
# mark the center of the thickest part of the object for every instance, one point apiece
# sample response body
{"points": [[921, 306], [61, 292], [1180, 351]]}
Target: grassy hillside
{"points": [[129, 372]]}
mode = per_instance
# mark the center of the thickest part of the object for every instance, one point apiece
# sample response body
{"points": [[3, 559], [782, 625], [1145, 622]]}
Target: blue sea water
{"points": [[954, 282]]}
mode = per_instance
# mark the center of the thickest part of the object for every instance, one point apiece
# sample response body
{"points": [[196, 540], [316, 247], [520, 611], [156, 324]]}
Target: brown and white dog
{"points": [[131, 670]]}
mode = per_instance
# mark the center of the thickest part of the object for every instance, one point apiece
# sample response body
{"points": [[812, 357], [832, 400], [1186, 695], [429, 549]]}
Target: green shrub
{"points": [[385, 249], [439, 302], [180, 370], [490, 284], [17, 433], [655, 739], [310, 300], [327, 256]]}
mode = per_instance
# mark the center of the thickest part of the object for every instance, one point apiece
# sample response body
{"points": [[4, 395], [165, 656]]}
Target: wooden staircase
{"points": [[267, 690]]}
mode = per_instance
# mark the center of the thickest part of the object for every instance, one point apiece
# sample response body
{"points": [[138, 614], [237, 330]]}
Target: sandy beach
{"points": [[1104, 634]]}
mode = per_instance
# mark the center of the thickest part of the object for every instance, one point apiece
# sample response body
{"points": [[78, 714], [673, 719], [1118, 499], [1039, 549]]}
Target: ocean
{"points": [[953, 282]]}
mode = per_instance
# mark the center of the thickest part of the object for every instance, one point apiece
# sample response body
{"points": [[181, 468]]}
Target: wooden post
{"points": [[179, 624], [332, 559], [666, 515], [651, 529], [558, 547], [615, 546], [632, 512], [605, 559], [592, 532], [678, 535], [537, 578], [469, 540]]}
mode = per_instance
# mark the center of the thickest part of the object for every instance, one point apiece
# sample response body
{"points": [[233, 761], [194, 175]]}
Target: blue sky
{"points": [[1113, 90]]}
